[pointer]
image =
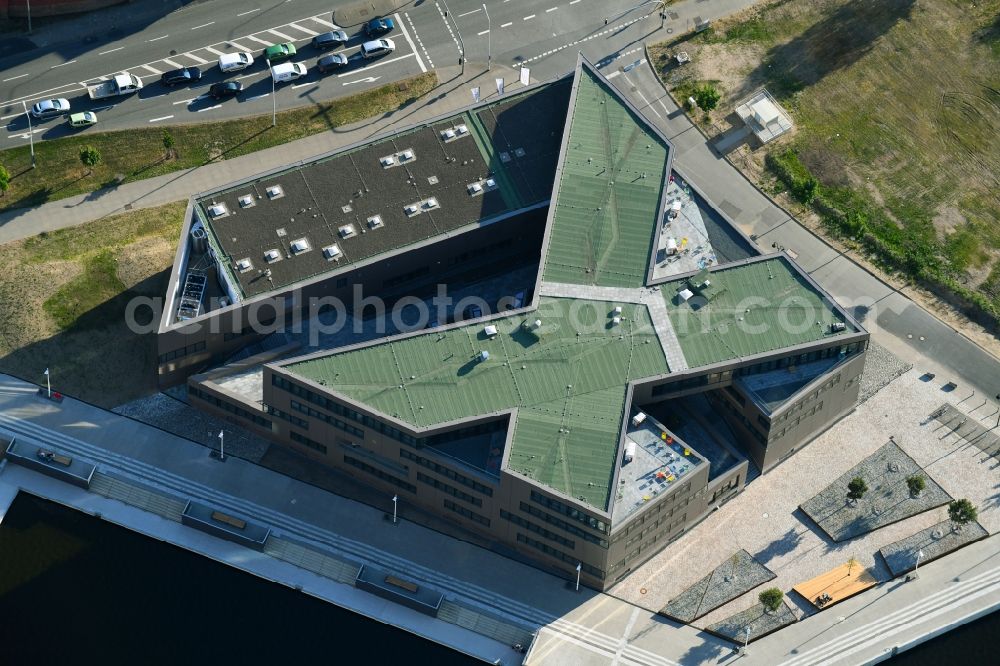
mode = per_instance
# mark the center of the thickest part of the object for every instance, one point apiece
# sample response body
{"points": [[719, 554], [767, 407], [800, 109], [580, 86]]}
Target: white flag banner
{"points": [[524, 76], [500, 86], [475, 95]]}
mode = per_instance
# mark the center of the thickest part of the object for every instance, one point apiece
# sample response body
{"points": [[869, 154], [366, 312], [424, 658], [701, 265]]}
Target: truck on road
{"points": [[120, 84]]}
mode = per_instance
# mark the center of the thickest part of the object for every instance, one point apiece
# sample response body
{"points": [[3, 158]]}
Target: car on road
{"points": [[279, 52], [176, 77], [225, 89], [84, 119], [382, 25], [329, 40], [288, 71], [331, 62], [50, 108], [377, 48], [234, 62]]}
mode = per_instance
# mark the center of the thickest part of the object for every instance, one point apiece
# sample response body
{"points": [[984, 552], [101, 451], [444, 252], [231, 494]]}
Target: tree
{"points": [[168, 143], [851, 563], [90, 157], [4, 181], [734, 562], [961, 512], [771, 598], [916, 483], [706, 96], [857, 488]]}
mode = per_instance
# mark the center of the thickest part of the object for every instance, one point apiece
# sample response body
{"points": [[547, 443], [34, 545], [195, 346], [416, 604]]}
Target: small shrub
{"points": [[771, 598], [707, 96], [90, 156], [4, 180], [961, 512], [857, 488], [168, 143], [916, 484]]}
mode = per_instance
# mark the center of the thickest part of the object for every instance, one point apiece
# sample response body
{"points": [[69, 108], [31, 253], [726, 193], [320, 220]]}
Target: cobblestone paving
{"points": [[765, 520], [888, 499], [760, 622], [738, 574], [934, 542], [179, 418], [881, 367]]}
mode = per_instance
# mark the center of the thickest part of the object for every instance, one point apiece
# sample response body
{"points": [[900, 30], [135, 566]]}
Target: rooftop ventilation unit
{"points": [[300, 245], [474, 188], [837, 327], [347, 231], [429, 203], [490, 331], [247, 201], [375, 221], [275, 192], [387, 161], [462, 129], [490, 183], [271, 256], [618, 309], [244, 265], [448, 134], [616, 320], [638, 419], [331, 251], [411, 209], [484, 355], [405, 155], [217, 210]]}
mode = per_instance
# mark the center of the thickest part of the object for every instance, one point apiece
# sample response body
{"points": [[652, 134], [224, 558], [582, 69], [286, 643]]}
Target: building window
{"points": [[558, 554], [294, 420], [575, 514], [305, 441], [537, 529], [183, 351], [336, 423], [563, 525], [447, 472], [388, 478], [471, 515], [225, 405], [448, 488]]}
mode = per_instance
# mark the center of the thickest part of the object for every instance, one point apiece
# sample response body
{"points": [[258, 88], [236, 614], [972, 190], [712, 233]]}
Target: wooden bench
{"points": [[405, 584], [52, 456], [229, 520]]}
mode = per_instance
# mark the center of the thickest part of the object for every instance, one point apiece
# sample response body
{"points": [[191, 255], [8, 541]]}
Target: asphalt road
{"points": [[541, 34]]}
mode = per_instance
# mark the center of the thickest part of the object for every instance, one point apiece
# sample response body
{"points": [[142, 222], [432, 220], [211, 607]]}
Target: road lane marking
{"points": [[251, 11], [259, 41], [409, 41], [25, 134], [280, 34], [209, 108], [238, 46], [551, 9], [152, 69], [156, 39], [506, 25], [250, 99], [156, 120], [215, 51], [480, 34], [528, 17], [326, 23], [175, 65], [309, 32], [416, 36], [200, 61], [378, 64], [63, 64], [472, 12], [203, 25], [111, 51], [573, 2], [307, 83], [19, 76], [185, 101], [13, 115], [367, 79]]}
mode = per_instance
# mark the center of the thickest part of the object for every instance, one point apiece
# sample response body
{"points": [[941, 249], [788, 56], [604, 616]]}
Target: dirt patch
{"points": [[947, 220]]}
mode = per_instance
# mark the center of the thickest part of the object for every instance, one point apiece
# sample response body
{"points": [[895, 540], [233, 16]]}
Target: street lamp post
{"points": [[48, 383], [489, 40], [916, 564], [746, 639], [31, 134], [395, 502], [461, 41], [29, 16], [222, 446], [579, 565], [998, 413]]}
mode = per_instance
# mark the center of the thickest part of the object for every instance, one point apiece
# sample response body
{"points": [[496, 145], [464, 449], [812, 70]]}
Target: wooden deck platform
{"points": [[837, 584]]}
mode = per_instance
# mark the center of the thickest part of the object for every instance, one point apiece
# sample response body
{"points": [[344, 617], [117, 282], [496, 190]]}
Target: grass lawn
{"points": [[63, 295], [139, 153], [897, 115]]}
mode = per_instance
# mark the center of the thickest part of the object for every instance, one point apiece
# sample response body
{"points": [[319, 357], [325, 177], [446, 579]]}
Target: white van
{"points": [[287, 71], [234, 62]]}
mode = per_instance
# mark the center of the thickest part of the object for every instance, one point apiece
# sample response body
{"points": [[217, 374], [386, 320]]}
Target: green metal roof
{"points": [[608, 193], [567, 380], [750, 309]]}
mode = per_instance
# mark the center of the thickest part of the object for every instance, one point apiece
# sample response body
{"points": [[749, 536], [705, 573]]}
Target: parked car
{"points": [[176, 77], [329, 40], [50, 108], [225, 89], [85, 119], [377, 48], [234, 62], [331, 62], [279, 52], [288, 71], [382, 25]]}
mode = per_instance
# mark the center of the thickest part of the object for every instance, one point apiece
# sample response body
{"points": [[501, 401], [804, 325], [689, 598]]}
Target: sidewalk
{"points": [[452, 94]]}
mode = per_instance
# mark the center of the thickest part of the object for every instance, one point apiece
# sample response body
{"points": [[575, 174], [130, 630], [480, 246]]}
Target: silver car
{"points": [[377, 48], [50, 108]]}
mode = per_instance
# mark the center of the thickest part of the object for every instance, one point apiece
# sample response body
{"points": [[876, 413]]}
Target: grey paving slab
{"points": [[737, 575], [931, 543], [757, 619], [809, 251], [887, 501], [854, 288]]}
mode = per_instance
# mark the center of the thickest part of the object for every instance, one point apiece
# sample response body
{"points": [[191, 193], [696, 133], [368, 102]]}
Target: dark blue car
{"points": [[379, 26]]}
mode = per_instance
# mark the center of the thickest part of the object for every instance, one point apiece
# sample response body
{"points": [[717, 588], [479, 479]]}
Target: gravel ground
{"points": [[739, 573], [765, 520], [881, 367], [887, 501], [761, 623], [935, 541], [177, 417]]}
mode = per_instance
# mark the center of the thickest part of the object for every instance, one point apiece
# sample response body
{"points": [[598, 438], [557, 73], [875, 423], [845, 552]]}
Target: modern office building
{"points": [[629, 362]]}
